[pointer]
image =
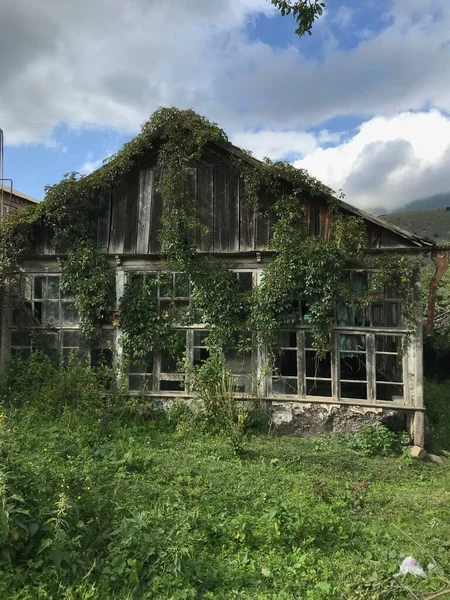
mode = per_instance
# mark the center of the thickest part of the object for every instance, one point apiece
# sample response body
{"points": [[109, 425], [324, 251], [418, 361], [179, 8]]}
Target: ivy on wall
{"points": [[304, 268]]}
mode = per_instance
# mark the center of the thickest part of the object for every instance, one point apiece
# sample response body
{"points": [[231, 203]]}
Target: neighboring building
{"points": [[375, 365], [15, 200]]}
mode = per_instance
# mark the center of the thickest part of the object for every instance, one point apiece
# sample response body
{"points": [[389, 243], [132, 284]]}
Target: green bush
{"points": [[437, 402], [379, 441]]}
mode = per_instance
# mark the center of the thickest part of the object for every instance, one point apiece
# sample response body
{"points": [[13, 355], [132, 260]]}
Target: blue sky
{"points": [[363, 103]]}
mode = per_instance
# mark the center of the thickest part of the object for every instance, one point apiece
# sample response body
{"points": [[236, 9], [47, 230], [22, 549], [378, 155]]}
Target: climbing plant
{"points": [[304, 268]]}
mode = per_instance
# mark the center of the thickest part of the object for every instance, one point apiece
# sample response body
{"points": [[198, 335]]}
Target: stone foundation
{"points": [[310, 419]]}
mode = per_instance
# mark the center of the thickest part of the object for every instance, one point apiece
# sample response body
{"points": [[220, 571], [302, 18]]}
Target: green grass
{"points": [[102, 506], [437, 400]]}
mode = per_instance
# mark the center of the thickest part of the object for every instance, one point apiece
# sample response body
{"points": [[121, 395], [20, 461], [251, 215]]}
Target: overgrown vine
{"points": [[304, 268]]}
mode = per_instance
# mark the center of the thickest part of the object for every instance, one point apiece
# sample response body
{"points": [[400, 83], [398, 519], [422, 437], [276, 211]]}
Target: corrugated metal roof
{"points": [[21, 195]]}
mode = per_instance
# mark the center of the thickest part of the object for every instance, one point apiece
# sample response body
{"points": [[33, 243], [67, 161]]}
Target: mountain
{"points": [[432, 223], [436, 201]]}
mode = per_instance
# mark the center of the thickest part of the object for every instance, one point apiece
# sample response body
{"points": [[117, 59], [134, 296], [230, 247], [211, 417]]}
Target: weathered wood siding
{"points": [[129, 217]]}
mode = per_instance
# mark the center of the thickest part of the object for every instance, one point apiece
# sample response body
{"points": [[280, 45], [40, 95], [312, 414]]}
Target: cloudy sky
{"points": [[363, 104]]}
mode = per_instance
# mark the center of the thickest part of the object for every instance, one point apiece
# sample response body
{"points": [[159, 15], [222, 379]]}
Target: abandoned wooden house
{"points": [[375, 362]]}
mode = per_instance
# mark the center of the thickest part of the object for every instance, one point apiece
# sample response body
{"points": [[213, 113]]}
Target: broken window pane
{"points": [[315, 387], [285, 386], [20, 338], [288, 339], [386, 314], [39, 288], [353, 390], [244, 281], [286, 363], [171, 386], [389, 367], [351, 342], [388, 343], [317, 368], [71, 339], [390, 393], [353, 367]]}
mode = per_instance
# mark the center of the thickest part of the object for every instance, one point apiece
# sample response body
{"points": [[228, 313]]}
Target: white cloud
{"points": [[79, 61], [276, 144], [389, 161]]}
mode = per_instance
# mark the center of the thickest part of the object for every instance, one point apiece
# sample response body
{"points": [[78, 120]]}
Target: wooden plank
{"points": [[144, 210], [103, 221], [232, 193], [205, 209], [247, 222], [221, 241], [263, 223], [117, 234], [131, 217], [191, 185], [156, 207]]}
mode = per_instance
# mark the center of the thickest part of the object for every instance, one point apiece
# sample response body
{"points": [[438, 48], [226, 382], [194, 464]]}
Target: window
{"points": [[171, 378], [46, 304], [140, 374], [285, 376], [317, 372], [241, 366], [389, 368], [353, 366], [385, 310]]}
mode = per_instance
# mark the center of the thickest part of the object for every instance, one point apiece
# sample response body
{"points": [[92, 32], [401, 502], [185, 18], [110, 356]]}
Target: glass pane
{"points": [[38, 312], [53, 288], [143, 365], [354, 390], [238, 363], [101, 357], [139, 382], [318, 388], [389, 393], [20, 338], [386, 314], [39, 287], [317, 368], [52, 314], [70, 316], [105, 339], [169, 363], [49, 340], [199, 338], [352, 316], [389, 367], [244, 282], [171, 386], [71, 339], [286, 363], [305, 311], [243, 385], [284, 386], [166, 285], [388, 343], [353, 366], [288, 339], [356, 343], [200, 355], [181, 285]]}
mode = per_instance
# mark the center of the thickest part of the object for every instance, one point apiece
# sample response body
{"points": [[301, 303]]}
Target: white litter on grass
{"points": [[411, 566]]}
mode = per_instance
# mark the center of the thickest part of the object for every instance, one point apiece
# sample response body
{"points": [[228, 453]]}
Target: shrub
{"points": [[378, 442], [437, 402]]}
